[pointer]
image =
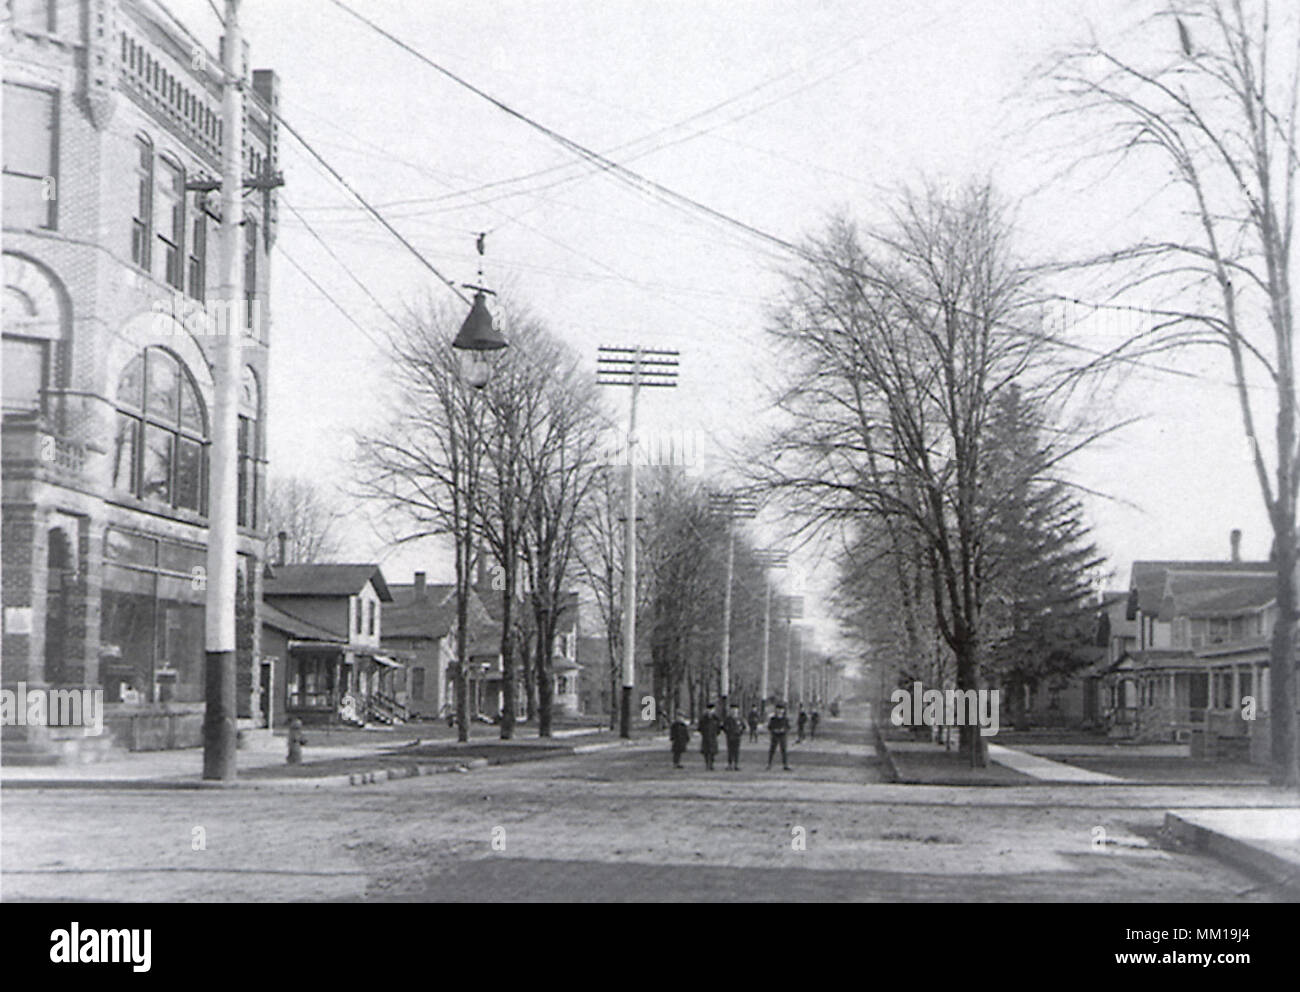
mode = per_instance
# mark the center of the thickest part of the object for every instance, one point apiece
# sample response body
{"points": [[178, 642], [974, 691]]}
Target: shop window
{"points": [[152, 639], [31, 135]]}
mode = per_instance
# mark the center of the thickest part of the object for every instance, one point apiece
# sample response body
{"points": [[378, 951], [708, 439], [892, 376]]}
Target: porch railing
{"points": [[386, 709]]}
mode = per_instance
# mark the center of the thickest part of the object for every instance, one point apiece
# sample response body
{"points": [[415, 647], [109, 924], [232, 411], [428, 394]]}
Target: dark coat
{"points": [[733, 727], [778, 725], [753, 719], [709, 727], [680, 734]]}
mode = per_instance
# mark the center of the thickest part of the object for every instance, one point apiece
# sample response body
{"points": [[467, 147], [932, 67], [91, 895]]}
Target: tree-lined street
{"points": [[621, 824]]}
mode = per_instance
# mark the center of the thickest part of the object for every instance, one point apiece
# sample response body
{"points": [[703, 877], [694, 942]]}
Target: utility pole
{"points": [[768, 558], [634, 368], [732, 507], [791, 609], [219, 714]]}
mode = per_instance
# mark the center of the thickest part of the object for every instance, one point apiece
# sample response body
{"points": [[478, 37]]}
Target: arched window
{"points": [[249, 450], [160, 449]]}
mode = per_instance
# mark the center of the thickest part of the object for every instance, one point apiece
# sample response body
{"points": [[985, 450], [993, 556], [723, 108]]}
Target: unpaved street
{"points": [[615, 825]]}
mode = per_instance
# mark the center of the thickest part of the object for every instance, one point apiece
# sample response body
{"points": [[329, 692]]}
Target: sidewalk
{"points": [[1265, 842], [363, 761]]}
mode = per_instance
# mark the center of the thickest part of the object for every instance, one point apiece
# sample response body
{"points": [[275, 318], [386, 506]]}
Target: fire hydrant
{"points": [[296, 740]]}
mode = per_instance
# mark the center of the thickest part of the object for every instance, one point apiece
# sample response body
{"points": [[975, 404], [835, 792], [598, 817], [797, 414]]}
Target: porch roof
{"points": [[296, 627]]}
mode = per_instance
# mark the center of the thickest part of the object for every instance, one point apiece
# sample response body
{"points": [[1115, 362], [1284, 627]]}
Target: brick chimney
{"points": [[419, 584], [1235, 539]]}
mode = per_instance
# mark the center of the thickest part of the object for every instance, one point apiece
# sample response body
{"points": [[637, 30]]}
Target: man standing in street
{"points": [[733, 728], [680, 735], [753, 724], [709, 727], [812, 722], [803, 722], [777, 728]]}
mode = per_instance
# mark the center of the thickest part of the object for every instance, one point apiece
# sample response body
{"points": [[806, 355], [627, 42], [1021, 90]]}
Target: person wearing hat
{"points": [[709, 727], [753, 724], [733, 728], [777, 728], [803, 722], [680, 735]]}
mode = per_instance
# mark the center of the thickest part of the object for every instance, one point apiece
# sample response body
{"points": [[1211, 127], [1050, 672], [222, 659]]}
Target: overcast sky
{"points": [[777, 113]]}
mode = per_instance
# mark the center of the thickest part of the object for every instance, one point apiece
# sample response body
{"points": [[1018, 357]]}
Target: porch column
{"points": [[1236, 687]]}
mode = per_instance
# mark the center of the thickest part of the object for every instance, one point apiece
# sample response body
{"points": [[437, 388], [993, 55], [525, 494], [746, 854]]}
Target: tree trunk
{"points": [[969, 737], [530, 678], [1284, 768], [545, 685], [507, 659]]}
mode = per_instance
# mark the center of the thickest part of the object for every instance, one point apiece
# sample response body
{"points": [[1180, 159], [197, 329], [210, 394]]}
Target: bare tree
{"points": [[515, 399], [309, 517], [560, 458], [1212, 98], [600, 563], [901, 350], [425, 462]]}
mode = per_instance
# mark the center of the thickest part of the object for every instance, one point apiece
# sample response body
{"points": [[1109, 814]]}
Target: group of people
{"points": [[732, 728]]}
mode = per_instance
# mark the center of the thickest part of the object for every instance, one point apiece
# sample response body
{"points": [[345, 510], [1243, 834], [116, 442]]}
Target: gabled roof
{"points": [[1149, 578], [1243, 594], [303, 630], [432, 614], [325, 580]]}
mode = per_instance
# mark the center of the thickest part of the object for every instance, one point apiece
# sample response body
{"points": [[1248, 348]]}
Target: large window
{"points": [[152, 621], [170, 222], [142, 222], [26, 373], [30, 156], [160, 446]]}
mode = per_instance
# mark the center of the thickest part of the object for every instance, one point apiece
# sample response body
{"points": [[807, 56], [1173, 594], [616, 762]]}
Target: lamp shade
{"points": [[477, 333]]}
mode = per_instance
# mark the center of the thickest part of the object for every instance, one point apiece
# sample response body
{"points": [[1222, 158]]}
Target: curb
{"points": [[374, 776], [1254, 860], [369, 777]]}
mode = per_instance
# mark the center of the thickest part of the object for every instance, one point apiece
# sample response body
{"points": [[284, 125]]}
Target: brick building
{"points": [[112, 138]]}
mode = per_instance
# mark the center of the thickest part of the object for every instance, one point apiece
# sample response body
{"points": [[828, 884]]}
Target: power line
{"points": [[364, 288], [672, 197], [325, 293], [374, 213]]}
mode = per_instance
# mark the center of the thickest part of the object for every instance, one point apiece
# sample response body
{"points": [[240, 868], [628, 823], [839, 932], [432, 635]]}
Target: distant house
{"points": [[323, 659], [1196, 668], [594, 690], [421, 624], [565, 667]]}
